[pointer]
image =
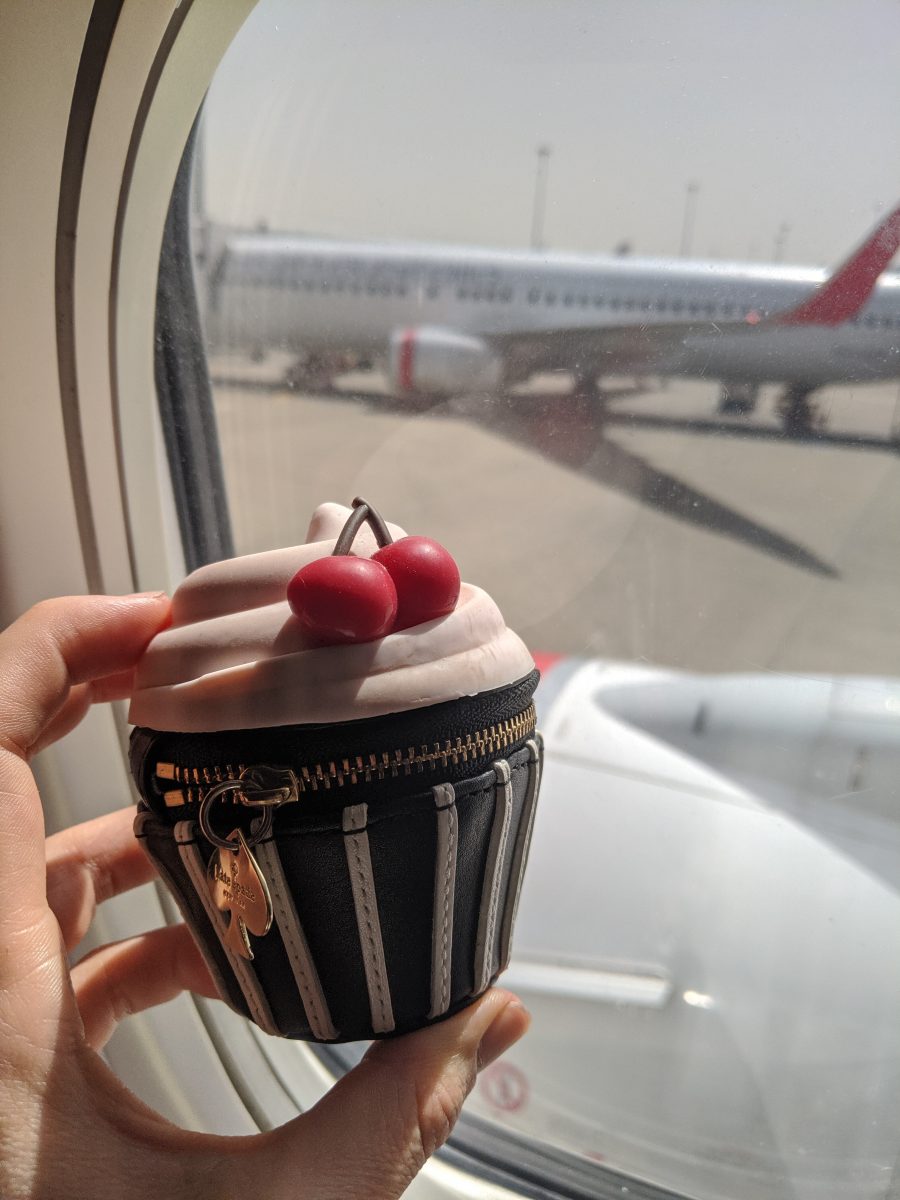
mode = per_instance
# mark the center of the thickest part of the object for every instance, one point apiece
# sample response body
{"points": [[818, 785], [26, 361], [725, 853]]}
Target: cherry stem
{"points": [[351, 528], [376, 522], [362, 512]]}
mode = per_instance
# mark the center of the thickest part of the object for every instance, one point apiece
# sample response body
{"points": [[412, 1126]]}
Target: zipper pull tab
{"points": [[238, 886], [268, 787], [236, 883]]}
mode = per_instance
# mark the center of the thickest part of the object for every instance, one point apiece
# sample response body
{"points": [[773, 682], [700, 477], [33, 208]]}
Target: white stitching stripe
{"points": [[185, 832], [176, 889], [444, 891], [493, 873], [359, 865], [520, 852], [306, 976]]}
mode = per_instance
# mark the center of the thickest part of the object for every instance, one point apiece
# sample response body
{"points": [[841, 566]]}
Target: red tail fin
{"points": [[848, 288]]}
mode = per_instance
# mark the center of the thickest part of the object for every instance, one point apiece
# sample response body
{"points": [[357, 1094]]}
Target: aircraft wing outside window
{"points": [[601, 347]]}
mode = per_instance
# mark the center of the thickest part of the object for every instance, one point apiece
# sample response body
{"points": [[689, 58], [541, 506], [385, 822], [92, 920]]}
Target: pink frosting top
{"points": [[237, 658]]}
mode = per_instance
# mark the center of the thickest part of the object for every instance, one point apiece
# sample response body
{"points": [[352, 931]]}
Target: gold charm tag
{"points": [[238, 886]]}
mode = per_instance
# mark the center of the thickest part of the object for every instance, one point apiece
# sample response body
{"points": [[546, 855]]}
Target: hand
{"points": [[68, 1126]]}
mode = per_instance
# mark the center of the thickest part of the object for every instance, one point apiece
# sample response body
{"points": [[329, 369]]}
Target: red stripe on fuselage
{"points": [[405, 359]]}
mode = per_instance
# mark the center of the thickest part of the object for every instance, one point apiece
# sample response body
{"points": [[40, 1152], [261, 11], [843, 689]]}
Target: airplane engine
{"points": [[428, 359]]}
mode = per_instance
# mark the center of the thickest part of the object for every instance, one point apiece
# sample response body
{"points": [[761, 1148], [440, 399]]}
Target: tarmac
{"points": [[658, 531]]}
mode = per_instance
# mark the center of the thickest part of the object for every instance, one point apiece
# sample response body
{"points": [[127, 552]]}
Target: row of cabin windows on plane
{"points": [[504, 295], [489, 295], [616, 304], [672, 304], [353, 287]]}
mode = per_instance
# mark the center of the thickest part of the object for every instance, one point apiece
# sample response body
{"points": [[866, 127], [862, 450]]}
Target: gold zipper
{"points": [[195, 782]]}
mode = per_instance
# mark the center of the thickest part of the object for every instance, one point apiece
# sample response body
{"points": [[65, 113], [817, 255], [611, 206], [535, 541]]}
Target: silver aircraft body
{"points": [[443, 319]]}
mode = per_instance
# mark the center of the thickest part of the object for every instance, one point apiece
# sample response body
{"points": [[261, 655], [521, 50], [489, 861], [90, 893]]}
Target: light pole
{"points": [[690, 214], [780, 241], [540, 197]]}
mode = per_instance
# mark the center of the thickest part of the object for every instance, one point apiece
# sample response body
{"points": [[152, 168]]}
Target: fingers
{"points": [[371, 1134], [88, 864], [53, 647], [139, 973], [81, 697], [61, 643]]}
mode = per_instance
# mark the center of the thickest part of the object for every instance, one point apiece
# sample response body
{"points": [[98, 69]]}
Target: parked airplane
{"points": [[445, 320]]}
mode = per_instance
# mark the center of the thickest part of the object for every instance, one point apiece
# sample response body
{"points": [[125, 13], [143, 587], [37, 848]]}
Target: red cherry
{"points": [[425, 576], [344, 599]]}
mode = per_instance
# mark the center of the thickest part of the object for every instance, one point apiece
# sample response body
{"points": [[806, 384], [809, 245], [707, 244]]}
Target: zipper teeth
{"points": [[193, 782]]}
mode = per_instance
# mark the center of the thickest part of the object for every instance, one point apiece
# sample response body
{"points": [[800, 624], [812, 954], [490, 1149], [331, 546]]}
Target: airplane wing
{"points": [[838, 299], [594, 349]]}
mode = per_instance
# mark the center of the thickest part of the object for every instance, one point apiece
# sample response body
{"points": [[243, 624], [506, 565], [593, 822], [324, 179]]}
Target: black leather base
{"points": [[393, 907]]}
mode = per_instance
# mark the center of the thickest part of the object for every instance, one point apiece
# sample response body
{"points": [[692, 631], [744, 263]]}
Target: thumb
{"points": [[372, 1133]]}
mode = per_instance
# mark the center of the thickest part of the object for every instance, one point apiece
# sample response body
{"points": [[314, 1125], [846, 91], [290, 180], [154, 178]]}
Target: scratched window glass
{"points": [[602, 296]]}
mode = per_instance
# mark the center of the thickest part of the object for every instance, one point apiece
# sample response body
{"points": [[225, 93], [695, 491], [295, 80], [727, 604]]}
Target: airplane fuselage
{"points": [[304, 294]]}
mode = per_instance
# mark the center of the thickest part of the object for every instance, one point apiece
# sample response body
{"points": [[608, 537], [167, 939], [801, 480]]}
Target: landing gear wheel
{"points": [[294, 376], [308, 373], [799, 415], [738, 399], [588, 407], [588, 390]]}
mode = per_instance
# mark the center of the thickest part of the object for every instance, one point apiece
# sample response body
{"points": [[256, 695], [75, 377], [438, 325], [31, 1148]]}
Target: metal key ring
{"points": [[263, 827]]}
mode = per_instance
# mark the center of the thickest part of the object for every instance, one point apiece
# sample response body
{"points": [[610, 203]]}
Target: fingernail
{"points": [[147, 596], [504, 1031]]}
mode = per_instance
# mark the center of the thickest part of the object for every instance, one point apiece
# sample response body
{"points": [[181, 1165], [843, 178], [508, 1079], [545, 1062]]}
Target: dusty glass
{"points": [[522, 275]]}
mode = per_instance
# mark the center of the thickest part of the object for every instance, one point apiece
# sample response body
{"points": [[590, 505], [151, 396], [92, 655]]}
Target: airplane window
{"points": [[693, 528]]}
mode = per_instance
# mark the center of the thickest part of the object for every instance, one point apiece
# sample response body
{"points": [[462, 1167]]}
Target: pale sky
{"points": [[420, 120]]}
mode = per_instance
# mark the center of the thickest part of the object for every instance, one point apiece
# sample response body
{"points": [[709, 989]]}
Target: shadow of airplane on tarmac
{"points": [[580, 443]]}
